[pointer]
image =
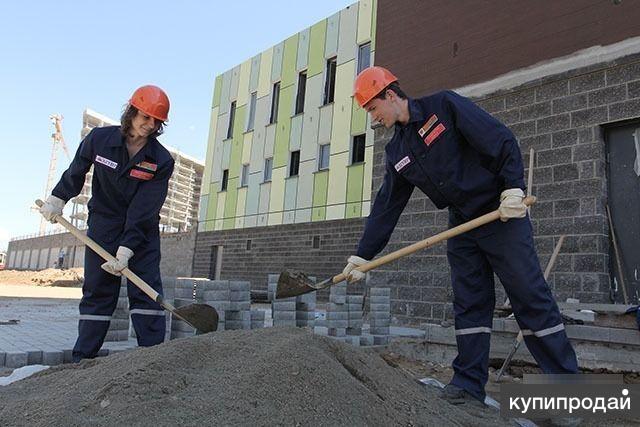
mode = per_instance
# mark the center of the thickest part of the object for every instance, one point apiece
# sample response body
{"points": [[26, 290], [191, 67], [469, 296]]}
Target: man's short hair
{"points": [[395, 87]]}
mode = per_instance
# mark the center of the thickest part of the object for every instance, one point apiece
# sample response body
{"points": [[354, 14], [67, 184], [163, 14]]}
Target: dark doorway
{"points": [[623, 170]]}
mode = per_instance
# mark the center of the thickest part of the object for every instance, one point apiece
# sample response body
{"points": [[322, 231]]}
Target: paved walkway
{"points": [[47, 325]]}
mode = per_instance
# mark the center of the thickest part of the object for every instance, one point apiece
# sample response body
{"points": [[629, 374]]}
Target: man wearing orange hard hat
{"points": [[465, 160], [131, 172]]}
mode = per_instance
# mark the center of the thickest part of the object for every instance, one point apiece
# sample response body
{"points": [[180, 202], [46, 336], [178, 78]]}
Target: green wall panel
{"points": [[355, 175], [289, 73], [255, 72], [235, 161], [358, 119], [303, 50], [276, 64], [333, 26], [320, 183], [283, 129], [354, 210], [317, 36], [217, 91], [231, 200]]}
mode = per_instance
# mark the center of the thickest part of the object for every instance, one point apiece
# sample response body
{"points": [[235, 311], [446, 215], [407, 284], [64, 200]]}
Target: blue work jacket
{"points": [[456, 153], [126, 194]]}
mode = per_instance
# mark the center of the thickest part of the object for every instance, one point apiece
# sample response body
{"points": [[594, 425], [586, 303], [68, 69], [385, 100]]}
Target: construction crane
{"points": [[58, 139]]}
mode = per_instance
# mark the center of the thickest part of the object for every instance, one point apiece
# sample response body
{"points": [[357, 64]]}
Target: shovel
{"points": [[202, 317], [294, 283]]}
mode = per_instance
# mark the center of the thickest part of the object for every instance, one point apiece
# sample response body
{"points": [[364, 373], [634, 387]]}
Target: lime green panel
{"points": [[354, 210], [243, 83], [374, 17], [355, 176], [283, 129], [320, 183], [319, 214], [316, 48], [358, 119], [364, 21], [231, 200], [289, 61], [264, 79], [213, 201], [217, 91], [235, 162], [228, 224]]}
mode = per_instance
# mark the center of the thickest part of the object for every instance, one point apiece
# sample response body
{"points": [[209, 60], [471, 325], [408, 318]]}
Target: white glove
{"points": [[52, 206], [512, 205], [354, 275], [120, 263]]}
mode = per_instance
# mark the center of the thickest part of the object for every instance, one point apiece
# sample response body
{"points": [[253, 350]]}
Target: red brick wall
{"points": [[438, 44]]}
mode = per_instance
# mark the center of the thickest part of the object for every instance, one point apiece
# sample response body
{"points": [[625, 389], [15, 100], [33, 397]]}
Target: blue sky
{"points": [[64, 56]]}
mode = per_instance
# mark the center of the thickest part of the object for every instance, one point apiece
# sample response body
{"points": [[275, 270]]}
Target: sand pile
{"points": [[274, 376], [48, 277]]}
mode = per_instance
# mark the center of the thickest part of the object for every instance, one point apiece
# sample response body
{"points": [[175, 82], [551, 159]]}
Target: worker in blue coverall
{"points": [[465, 160], [131, 172]]}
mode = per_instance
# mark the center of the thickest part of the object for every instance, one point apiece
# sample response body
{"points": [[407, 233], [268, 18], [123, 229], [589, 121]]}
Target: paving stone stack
{"points": [[168, 294], [338, 312], [187, 291], [238, 315], [119, 325], [284, 312], [218, 296], [306, 310], [354, 327], [272, 285], [379, 315], [257, 319]]}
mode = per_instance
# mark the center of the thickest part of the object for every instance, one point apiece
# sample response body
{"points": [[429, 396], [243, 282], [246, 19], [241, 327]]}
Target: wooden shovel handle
{"points": [[430, 241], [144, 287]]}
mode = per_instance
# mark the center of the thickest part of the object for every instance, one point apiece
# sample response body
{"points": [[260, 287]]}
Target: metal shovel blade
{"points": [[293, 283], [203, 317]]}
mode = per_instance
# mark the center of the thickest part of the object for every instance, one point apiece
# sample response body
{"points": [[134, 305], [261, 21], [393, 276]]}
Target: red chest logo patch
{"points": [[431, 136], [145, 176]]}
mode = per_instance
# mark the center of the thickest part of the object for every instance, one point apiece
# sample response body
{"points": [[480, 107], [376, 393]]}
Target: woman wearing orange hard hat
{"points": [[131, 172]]}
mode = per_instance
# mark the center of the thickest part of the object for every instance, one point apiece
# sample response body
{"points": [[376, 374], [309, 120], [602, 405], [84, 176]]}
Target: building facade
{"points": [[563, 76]]}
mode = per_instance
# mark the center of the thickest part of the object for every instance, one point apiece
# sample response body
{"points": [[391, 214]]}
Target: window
{"points": [[232, 115], [252, 111], [316, 242], [225, 180], [330, 83], [248, 244], [323, 157], [268, 164], [302, 86], [357, 150], [275, 100], [364, 56], [294, 164], [244, 178]]}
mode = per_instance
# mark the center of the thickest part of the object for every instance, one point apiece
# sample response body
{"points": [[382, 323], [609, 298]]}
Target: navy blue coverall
{"points": [[124, 210], [463, 158]]}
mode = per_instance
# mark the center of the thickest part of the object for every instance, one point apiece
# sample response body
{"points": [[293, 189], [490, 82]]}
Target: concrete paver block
{"points": [[16, 359]]}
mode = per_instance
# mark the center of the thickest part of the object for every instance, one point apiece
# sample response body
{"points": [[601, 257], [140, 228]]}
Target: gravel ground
{"points": [[72, 277], [274, 376]]}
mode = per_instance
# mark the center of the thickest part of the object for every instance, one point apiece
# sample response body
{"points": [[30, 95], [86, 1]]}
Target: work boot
{"points": [[458, 396]]}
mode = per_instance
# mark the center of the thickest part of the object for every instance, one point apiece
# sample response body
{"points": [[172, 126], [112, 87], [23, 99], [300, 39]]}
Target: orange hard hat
{"points": [[370, 82], [152, 101]]}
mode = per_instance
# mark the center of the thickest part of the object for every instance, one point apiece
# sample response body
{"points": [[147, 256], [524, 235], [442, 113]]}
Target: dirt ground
{"points": [[273, 376], [72, 277]]}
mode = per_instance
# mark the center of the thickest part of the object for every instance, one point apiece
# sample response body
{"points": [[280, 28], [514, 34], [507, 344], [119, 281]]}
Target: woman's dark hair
{"points": [[127, 117], [394, 87]]}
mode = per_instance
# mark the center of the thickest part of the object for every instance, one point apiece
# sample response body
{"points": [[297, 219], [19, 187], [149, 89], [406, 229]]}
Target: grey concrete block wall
{"points": [[38, 253], [562, 117]]}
